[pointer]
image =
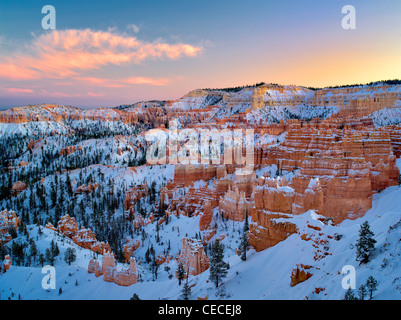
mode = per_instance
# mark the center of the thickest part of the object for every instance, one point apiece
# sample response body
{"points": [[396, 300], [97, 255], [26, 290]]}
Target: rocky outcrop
{"points": [[132, 196], [299, 274], [234, 205], [345, 183], [125, 277], [94, 267], [6, 263], [84, 238], [68, 150], [50, 226], [358, 101], [108, 267], [67, 226], [274, 195], [163, 258], [206, 217], [268, 229], [313, 197], [185, 175], [129, 247], [128, 276], [189, 204], [193, 256], [100, 247], [86, 189], [139, 221], [350, 165], [8, 219], [17, 188], [394, 132]]}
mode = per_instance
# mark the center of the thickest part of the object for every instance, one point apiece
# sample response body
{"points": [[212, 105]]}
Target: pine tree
{"points": [[41, 259], [246, 223], [33, 249], [186, 291], [157, 233], [365, 244], [135, 297], [55, 251], [362, 291], [349, 295], [371, 285], [68, 185], [244, 241], [244, 246], [180, 273], [70, 255], [147, 255], [218, 268], [49, 256]]}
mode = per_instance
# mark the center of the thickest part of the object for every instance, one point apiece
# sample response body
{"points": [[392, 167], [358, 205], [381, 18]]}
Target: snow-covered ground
{"points": [[387, 116]]}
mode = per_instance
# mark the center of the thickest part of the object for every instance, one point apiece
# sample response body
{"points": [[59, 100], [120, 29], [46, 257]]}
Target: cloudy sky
{"points": [[107, 53]]}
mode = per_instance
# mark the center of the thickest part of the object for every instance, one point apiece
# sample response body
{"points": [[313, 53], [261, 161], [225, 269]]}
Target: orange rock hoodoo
{"points": [[87, 189], [129, 247], [17, 188], [109, 271], [8, 219], [68, 150], [132, 196], [299, 274], [6, 263], [234, 205], [193, 256]]}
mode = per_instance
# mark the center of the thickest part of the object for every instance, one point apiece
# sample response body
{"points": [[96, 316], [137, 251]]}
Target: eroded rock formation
{"points": [[84, 238], [6, 263], [8, 219], [193, 256], [17, 188], [300, 274], [125, 277]]}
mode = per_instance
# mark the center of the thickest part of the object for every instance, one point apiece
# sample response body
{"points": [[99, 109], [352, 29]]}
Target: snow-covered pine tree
{"points": [[362, 292], [246, 223], [244, 240], [135, 297], [218, 267], [244, 246], [371, 285], [349, 295], [70, 255], [180, 273], [186, 291], [365, 244]]}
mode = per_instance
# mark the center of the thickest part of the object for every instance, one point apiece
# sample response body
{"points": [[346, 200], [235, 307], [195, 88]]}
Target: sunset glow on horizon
{"points": [[109, 54]]}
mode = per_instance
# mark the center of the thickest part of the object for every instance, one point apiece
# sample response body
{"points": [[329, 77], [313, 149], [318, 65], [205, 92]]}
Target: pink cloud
{"points": [[19, 90], [67, 53], [92, 94], [145, 80], [119, 83], [10, 70]]}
